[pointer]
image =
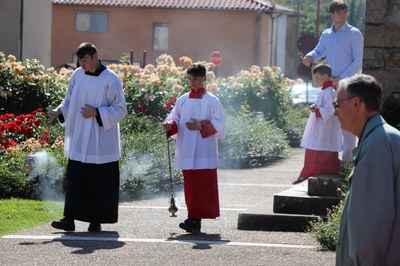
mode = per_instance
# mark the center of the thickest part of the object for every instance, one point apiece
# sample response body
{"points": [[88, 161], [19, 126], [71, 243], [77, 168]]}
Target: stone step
{"points": [[297, 201], [325, 185], [262, 218]]}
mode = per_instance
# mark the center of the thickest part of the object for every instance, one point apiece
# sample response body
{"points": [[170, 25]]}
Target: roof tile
{"points": [[253, 5]]}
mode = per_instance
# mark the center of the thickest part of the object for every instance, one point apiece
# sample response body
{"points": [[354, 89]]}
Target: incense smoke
{"points": [[49, 175]]}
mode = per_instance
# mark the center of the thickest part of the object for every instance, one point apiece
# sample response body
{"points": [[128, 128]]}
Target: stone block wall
{"points": [[382, 43]]}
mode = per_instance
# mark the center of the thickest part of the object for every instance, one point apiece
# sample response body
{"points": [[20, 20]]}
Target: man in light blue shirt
{"points": [[342, 45]]}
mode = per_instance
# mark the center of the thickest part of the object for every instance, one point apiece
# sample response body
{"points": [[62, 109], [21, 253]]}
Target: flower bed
{"points": [[151, 93]]}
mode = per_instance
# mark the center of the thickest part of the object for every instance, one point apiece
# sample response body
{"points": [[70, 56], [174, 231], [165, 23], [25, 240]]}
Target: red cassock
{"points": [[320, 162], [201, 193]]}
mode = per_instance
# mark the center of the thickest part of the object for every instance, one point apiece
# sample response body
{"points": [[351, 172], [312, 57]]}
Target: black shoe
{"points": [[191, 225], [64, 224], [94, 227], [298, 180]]}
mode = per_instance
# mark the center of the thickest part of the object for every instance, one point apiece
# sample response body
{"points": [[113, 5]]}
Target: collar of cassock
{"points": [[327, 84], [197, 94], [100, 68]]}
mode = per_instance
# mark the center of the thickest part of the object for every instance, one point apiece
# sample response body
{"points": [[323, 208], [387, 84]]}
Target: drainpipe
{"points": [[257, 40], [273, 41], [21, 28], [272, 59]]}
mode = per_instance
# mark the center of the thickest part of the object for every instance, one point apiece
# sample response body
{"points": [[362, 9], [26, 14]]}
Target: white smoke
{"points": [[135, 166], [50, 175]]}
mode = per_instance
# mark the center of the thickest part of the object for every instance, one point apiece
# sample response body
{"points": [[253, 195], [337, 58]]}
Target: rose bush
{"points": [[16, 129], [26, 86], [151, 93]]}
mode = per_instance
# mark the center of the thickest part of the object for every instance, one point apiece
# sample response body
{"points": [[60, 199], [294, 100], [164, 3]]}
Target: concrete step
{"points": [[325, 185], [293, 209], [297, 201], [262, 218]]}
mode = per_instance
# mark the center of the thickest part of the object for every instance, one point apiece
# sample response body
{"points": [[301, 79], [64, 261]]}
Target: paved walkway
{"points": [[146, 235]]}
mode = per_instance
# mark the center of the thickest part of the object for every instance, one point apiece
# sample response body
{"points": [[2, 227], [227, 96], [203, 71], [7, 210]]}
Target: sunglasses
{"points": [[336, 103]]}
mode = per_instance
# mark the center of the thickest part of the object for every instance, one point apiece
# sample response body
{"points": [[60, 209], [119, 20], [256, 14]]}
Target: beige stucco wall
{"points": [[37, 31], [193, 33], [9, 26]]}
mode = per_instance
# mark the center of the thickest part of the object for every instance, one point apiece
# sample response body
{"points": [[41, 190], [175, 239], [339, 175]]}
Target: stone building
{"points": [[382, 43]]}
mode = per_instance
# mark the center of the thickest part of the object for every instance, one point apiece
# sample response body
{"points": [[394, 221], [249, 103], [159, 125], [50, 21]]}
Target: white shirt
{"points": [[323, 133], [192, 150], [85, 140]]}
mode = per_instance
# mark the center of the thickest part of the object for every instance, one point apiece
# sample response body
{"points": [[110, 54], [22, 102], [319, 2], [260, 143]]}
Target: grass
{"points": [[18, 214]]}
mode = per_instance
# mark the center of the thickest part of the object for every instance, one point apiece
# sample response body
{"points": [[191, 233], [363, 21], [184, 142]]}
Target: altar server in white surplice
{"points": [[197, 120], [91, 111], [322, 135]]}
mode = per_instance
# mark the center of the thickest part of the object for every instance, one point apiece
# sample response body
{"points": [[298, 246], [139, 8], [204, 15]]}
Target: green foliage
{"points": [[308, 10], [295, 122], [49, 160], [150, 93], [144, 164], [13, 182], [45, 182], [24, 86], [125, 59], [251, 141], [326, 232], [391, 110], [262, 90], [18, 214]]}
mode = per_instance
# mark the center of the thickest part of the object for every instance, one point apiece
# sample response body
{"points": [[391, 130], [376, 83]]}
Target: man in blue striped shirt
{"points": [[342, 45]]}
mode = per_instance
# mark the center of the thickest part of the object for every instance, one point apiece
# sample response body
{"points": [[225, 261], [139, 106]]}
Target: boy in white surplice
{"points": [[197, 120], [322, 136], [90, 112]]}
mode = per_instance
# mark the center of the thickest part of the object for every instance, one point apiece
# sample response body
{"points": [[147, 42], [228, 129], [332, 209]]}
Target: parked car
{"points": [[304, 93]]}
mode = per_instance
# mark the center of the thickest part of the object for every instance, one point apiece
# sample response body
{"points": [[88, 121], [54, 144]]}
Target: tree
{"points": [[308, 12]]}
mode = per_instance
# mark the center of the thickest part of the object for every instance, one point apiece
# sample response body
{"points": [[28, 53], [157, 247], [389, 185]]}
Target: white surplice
{"points": [[192, 150], [323, 133], [85, 140]]}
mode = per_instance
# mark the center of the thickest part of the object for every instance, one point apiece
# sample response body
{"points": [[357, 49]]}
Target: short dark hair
{"points": [[323, 69], [337, 5], [197, 70], [366, 88], [85, 48]]}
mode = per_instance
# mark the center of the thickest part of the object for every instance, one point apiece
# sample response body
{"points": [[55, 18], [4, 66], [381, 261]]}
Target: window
{"points": [[160, 36], [91, 21]]}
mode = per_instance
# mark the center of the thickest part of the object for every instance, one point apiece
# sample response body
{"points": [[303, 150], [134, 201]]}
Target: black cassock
{"points": [[92, 192]]}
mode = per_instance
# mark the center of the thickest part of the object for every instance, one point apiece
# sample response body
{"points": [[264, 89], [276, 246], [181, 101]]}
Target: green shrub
{"points": [[251, 141], [295, 122], [263, 90], [13, 182], [144, 163], [326, 231], [30, 137], [24, 86], [44, 182]]}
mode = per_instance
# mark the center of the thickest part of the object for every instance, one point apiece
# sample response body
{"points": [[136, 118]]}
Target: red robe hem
{"points": [[320, 163], [201, 193]]}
